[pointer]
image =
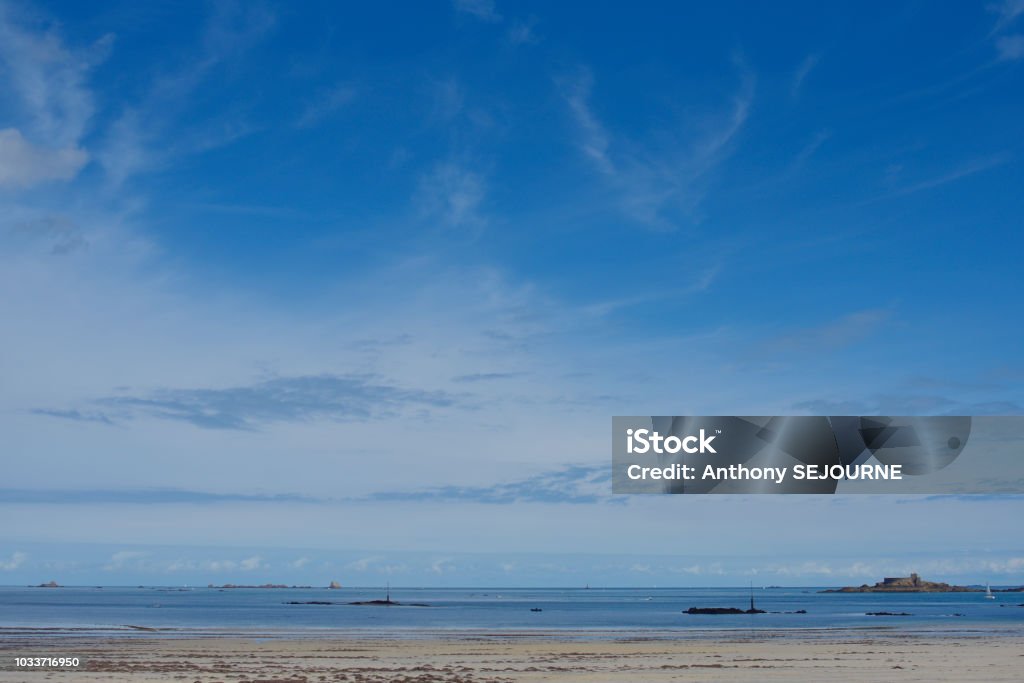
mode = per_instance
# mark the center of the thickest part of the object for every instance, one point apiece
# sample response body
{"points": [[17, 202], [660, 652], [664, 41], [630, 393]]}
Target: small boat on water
{"points": [[988, 592]]}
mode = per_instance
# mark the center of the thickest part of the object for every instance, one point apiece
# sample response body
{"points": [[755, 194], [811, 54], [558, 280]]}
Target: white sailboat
{"points": [[988, 592]]}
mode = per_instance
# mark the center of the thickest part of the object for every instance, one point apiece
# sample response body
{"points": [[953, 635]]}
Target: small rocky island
{"points": [[388, 603], [905, 584], [723, 610], [728, 610]]}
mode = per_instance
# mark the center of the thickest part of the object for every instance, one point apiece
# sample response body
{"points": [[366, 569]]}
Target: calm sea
{"points": [[184, 610]]}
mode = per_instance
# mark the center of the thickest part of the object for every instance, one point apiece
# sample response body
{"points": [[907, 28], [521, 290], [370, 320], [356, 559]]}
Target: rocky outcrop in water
{"points": [[722, 610], [388, 603]]}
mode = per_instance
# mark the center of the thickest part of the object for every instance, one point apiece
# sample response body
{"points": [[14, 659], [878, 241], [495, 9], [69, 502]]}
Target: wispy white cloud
{"points": [[452, 194], [49, 79], [802, 71], [23, 164], [522, 32], [908, 403], [68, 496], [250, 564], [701, 283], [1010, 47], [16, 560], [964, 170], [60, 233], [136, 141], [442, 566], [376, 564], [1007, 13], [123, 558], [484, 10], [47, 84], [657, 185], [362, 564], [486, 376], [125, 150], [233, 29], [283, 398], [809, 149], [519, 31], [592, 136], [221, 566], [447, 99], [572, 485], [836, 334], [325, 103]]}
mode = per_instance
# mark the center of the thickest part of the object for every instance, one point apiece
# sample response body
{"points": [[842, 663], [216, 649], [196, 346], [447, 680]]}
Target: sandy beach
{"points": [[524, 657]]}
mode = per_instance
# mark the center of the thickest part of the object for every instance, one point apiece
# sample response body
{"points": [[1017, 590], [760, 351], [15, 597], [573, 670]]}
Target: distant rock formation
{"points": [[889, 614], [723, 610], [388, 603], [334, 585], [905, 584]]}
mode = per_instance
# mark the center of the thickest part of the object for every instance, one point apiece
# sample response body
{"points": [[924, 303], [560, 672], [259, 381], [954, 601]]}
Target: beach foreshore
{"points": [[520, 656]]}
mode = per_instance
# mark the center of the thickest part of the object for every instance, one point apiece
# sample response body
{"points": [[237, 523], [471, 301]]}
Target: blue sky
{"points": [[351, 292]]}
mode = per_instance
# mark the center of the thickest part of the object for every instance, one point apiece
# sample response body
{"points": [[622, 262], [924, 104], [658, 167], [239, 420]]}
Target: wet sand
{"points": [[522, 657]]}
